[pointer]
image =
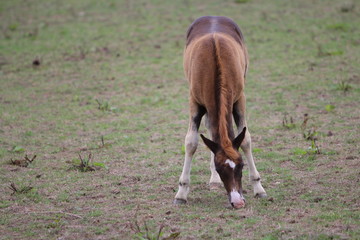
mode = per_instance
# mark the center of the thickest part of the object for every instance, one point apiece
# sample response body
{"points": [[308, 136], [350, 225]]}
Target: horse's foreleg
{"points": [[253, 173], [191, 143], [240, 121], [215, 180]]}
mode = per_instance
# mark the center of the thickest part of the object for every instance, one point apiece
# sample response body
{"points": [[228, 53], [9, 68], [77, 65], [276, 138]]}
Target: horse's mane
{"points": [[224, 104]]}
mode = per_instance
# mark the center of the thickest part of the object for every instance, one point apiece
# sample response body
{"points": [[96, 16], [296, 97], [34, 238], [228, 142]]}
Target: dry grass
{"points": [[106, 77]]}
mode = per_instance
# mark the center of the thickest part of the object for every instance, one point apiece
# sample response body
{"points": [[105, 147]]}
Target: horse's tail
{"points": [[224, 98]]}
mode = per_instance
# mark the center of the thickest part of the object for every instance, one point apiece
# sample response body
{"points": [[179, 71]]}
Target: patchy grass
{"points": [[107, 77]]}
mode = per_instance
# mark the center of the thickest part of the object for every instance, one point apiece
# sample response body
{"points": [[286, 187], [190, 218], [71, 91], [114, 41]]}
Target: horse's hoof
{"points": [[261, 195], [215, 186], [179, 201]]}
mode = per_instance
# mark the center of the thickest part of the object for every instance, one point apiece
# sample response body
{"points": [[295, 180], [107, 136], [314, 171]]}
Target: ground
{"points": [[106, 78]]}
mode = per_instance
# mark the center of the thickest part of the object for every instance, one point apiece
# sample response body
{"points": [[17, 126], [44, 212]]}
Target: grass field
{"points": [[106, 78]]}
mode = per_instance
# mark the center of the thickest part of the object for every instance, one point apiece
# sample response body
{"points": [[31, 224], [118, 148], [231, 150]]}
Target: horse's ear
{"points": [[213, 146], [238, 140]]}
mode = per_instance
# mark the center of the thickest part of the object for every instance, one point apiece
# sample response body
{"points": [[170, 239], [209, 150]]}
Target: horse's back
{"points": [[214, 24]]}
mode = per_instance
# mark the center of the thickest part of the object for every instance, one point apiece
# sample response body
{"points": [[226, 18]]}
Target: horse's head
{"points": [[229, 168]]}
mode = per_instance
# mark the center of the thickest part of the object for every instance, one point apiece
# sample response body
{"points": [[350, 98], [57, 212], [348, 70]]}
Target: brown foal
{"points": [[215, 64]]}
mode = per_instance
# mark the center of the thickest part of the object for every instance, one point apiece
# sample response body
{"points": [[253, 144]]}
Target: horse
{"points": [[215, 65]]}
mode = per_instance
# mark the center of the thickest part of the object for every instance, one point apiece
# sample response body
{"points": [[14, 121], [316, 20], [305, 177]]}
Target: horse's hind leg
{"points": [[191, 143], [240, 121], [215, 180]]}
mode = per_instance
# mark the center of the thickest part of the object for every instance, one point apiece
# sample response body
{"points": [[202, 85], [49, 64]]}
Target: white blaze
{"points": [[231, 163]]}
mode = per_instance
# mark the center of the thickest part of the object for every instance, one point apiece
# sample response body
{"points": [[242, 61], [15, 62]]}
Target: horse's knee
{"points": [[191, 142], [246, 143]]}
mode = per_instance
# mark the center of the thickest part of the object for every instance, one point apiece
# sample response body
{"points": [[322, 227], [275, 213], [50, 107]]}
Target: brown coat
{"points": [[215, 64]]}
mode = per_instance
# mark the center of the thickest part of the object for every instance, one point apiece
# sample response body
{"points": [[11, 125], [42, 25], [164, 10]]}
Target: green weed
{"points": [[257, 150], [146, 232], [339, 27], [84, 164], [311, 150], [183, 149], [343, 86], [17, 149], [324, 52], [314, 148], [105, 106], [329, 108], [23, 162], [288, 123], [19, 190], [310, 134], [55, 224], [13, 27], [299, 151]]}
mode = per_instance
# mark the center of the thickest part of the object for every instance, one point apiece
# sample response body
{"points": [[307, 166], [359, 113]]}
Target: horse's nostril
{"points": [[232, 204]]}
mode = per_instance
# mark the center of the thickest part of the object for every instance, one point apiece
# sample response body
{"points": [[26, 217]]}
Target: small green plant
{"points": [[326, 52], [23, 162], [145, 233], [103, 144], [343, 86], [339, 27], [105, 106], [257, 150], [13, 27], [182, 149], [84, 165], [29, 133], [310, 134], [288, 123], [299, 151], [17, 149], [313, 149], [55, 224], [21, 190], [329, 108]]}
